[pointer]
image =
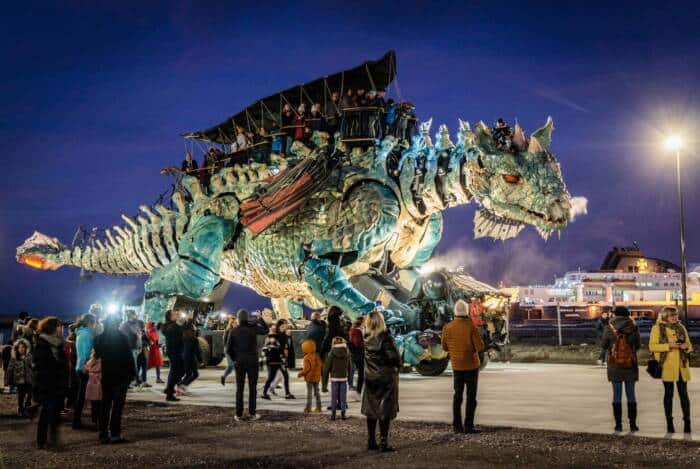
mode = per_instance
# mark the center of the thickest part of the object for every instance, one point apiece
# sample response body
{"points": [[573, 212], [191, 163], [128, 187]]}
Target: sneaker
{"points": [[273, 392], [172, 398], [145, 385], [266, 397], [236, 418], [599, 362], [223, 381], [255, 417], [290, 396], [160, 381]]}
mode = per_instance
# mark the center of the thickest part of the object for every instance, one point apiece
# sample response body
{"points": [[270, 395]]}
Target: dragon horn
{"points": [[519, 138], [543, 137]]}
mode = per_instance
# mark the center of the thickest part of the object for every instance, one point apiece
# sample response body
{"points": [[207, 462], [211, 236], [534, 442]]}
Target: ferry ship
{"points": [[625, 278]]}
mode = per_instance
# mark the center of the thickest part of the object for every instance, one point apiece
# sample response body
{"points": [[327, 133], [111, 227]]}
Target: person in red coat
{"points": [[155, 359]]}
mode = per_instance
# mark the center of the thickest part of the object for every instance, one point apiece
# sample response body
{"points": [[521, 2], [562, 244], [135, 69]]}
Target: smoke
{"points": [[522, 261], [579, 206]]}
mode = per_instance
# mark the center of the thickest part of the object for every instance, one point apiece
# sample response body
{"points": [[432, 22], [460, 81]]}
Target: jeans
{"points": [[313, 388], [339, 395], [682, 395], [176, 370], [229, 366], [49, 419], [251, 370], [80, 400], [111, 407], [142, 366], [617, 391], [24, 396], [271, 373], [135, 356], [470, 378], [359, 366], [191, 373]]}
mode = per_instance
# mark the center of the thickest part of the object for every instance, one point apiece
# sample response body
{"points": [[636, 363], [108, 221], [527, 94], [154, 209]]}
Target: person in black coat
{"points": [[50, 379], [118, 369], [192, 355], [174, 348], [601, 326], [316, 330], [380, 399], [242, 346]]}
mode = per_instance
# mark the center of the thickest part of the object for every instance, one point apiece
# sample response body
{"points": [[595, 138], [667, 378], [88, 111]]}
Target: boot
{"points": [[632, 414], [333, 415], [384, 445], [318, 409], [372, 443], [342, 415], [617, 413], [668, 410], [686, 426], [307, 409]]}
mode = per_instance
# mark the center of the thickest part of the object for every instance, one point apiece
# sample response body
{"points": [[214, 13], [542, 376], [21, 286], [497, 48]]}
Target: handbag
{"points": [[654, 368]]}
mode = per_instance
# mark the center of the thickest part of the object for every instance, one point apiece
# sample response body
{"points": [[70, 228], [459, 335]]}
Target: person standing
{"points": [[115, 353], [462, 340], [273, 359], [49, 378], [189, 166], [173, 347], [338, 367], [243, 348], [20, 367], [357, 352], [229, 361], [155, 358], [132, 331], [621, 339], [316, 330], [311, 372], [84, 341], [601, 327], [670, 343], [285, 341], [380, 399]]}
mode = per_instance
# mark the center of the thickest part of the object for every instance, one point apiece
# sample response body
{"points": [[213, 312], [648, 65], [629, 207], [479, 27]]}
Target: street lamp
{"points": [[674, 143]]}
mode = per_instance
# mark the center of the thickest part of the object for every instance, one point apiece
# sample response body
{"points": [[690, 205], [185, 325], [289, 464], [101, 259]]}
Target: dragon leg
{"points": [[195, 271]]}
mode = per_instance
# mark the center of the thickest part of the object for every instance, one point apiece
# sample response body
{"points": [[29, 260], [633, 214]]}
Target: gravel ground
{"points": [[188, 436]]}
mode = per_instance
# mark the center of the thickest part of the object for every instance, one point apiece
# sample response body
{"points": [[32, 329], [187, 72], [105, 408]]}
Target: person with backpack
{"points": [[622, 340], [670, 343]]}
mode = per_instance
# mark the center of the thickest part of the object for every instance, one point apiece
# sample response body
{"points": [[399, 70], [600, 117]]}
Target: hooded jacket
{"points": [[627, 327], [337, 363], [674, 362], [20, 368], [311, 371], [83, 346]]}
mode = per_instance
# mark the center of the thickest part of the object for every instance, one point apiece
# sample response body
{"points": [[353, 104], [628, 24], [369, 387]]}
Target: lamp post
{"points": [[675, 143]]}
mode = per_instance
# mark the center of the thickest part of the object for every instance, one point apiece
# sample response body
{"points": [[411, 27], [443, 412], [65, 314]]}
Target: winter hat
{"points": [[622, 311], [461, 309]]}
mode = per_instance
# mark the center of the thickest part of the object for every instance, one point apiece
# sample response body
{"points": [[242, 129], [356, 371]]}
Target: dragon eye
{"points": [[511, 178]]}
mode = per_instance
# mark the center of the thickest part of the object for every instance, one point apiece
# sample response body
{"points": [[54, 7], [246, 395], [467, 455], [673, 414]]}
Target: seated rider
{"points": [[189, 166], [502, 135]]}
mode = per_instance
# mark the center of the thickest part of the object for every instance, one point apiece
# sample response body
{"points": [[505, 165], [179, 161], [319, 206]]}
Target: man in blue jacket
{"points": [[84, 336]]}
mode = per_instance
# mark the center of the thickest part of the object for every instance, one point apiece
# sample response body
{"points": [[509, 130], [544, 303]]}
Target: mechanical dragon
{"points": [[381, 203]]}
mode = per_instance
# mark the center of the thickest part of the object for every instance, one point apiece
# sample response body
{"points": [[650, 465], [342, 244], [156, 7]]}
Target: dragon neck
{"points": [[434, 179]]}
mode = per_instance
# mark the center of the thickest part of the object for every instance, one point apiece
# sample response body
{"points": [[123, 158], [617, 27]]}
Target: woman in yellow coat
{"points": [[670, 343]]}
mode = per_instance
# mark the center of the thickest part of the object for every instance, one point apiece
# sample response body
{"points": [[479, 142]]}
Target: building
{"points": [[626, 277]]}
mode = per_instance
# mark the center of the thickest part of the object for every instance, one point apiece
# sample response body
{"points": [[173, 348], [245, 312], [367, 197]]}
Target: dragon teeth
{"points": [[491, 225]]}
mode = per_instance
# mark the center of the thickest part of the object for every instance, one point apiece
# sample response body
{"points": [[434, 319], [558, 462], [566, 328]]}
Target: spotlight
{"points": [[112, 308]]}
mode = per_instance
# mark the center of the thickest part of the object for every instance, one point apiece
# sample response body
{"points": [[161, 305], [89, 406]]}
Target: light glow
{"points": [[112, 308], [673, 142]]}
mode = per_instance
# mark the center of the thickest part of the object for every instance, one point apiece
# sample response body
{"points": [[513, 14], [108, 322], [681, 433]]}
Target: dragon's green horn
{"points": [[542, 137]]}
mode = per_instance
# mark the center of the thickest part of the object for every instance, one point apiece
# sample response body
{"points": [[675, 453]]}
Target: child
{"points": [[20, 372], [273, 357], [338, 365], [311, 372], [93, 390], [192, 357]]}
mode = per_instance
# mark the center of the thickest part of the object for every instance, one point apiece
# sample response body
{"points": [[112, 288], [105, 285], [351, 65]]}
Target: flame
{"points": [[35, 262]]}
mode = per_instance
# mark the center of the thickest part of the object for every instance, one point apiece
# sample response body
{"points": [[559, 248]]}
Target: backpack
{"points": [[620, 354]]}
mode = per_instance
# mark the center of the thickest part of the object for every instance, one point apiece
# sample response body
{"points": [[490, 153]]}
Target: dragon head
{"points": [[516, 183], [41, 252]]}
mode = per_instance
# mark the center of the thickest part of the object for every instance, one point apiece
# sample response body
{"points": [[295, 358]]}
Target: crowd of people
{"points": [[369, 113], [102, 358]]}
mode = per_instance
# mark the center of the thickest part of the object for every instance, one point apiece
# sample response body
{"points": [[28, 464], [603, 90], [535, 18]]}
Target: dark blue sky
{"points": [[95, 94]]}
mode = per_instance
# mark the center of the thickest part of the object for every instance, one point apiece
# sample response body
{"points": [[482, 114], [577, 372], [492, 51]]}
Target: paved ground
{"points": [[574, 398]]}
